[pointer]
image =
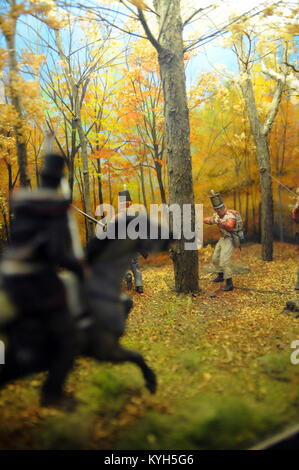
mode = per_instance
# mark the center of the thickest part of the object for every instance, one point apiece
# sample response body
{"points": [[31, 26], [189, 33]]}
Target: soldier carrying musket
{"points": [[230, 226], [125, 202]]}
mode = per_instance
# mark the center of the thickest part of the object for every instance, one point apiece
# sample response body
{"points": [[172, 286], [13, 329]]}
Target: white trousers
{"points": [[221, 256]]}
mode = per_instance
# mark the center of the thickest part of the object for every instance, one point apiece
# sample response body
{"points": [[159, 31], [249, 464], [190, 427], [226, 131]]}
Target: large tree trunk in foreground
{"points": [[176, 113]]}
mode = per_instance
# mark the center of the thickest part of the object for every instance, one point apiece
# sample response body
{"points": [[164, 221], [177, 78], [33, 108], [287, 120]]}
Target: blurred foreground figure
{"points": [[40, 241], [230, 226], [296, 218], [124, 204], [99, 321]]}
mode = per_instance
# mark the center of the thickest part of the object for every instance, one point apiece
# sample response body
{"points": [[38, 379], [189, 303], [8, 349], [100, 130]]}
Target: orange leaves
{"points": [[105, 153]]}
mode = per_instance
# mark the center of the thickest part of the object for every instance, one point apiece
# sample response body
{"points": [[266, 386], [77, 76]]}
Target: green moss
{"points": [[225, 380], [65, 432], [202, 424], [277, 366], [192, 360], [107, 390]]}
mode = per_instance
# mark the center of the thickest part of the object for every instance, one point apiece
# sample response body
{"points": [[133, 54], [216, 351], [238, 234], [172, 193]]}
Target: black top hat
{"points": [[216, 200], [53, 166], [125, 195]]}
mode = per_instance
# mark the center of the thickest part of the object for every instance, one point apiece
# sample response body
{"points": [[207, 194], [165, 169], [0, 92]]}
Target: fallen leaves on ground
{"points": [[203, 350]]}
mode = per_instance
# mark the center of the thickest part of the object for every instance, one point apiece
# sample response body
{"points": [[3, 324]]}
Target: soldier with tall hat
{"points": [[295, 216], [40, 242], [227, 223], [125, 202]]}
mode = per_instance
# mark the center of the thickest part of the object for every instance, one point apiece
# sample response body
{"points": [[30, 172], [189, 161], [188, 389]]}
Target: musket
{"points": [[95, 221], [285, 187]]}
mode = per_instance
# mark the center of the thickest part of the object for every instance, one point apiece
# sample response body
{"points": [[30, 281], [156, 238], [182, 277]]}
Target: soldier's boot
{"points": [[297, 285], [219, 278], [138, 281], [129, 281], [229, 285]]}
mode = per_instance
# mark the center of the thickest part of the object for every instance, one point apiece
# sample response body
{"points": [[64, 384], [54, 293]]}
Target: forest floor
{"points": [[225, 378]]}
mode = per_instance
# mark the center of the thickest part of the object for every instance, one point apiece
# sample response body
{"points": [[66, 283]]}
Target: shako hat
{"points": [[216, 200], [53, 166], [125, 194]]}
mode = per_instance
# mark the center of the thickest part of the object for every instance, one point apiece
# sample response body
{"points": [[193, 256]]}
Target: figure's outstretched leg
{"points": [[117, 354], [137, 274], [136, 358], [61, 353]]}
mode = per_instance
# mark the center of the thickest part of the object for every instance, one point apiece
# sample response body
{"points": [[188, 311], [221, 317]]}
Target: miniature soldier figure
{"points": [[226, 221], [135, 268], [296, 219], [40, 239], [124, 205]]}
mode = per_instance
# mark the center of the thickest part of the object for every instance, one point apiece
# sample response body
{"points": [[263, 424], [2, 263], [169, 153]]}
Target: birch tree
{"points": [[260, 131]]}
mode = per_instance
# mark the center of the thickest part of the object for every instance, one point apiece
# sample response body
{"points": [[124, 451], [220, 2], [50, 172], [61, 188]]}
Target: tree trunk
{"points": [[16, 102], [84, 159], [109, 186], [253, 212], [100, 189], [74, 150], [280, 214], [260, 222], [5, 224], [158, 167], [240, 201], [82, 137], [99, 169], [10, 188], [246, 211], [263, 160], [151, 186], [260, 132], [143, 186], [176, 114]]}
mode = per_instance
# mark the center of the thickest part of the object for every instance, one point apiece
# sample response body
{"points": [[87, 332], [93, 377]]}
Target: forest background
{"points": [[99, 89], [90, 74]]}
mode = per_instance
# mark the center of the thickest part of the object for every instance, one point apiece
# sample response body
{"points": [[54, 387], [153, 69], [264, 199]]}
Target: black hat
{"points": [[216, 200], [53, 166], [125, 195]]}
